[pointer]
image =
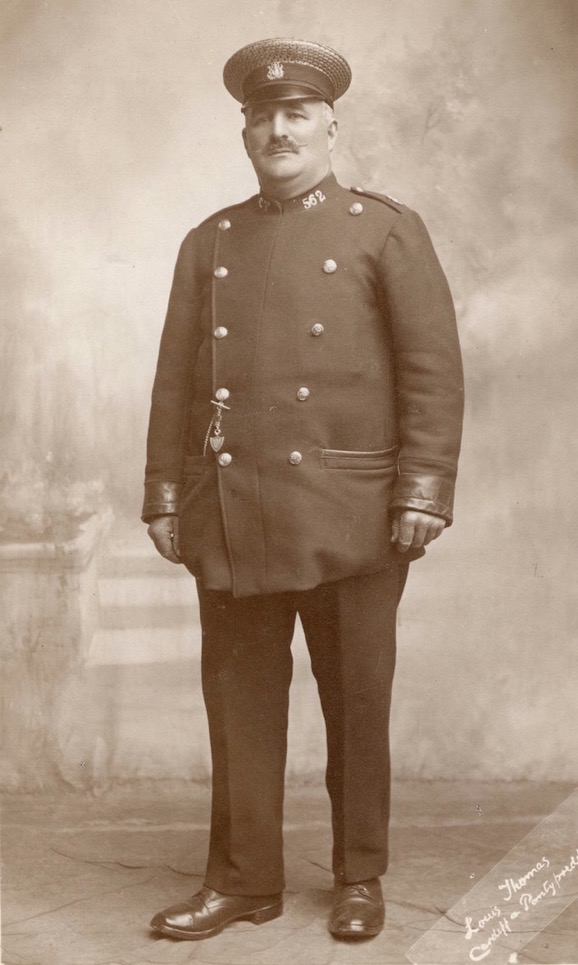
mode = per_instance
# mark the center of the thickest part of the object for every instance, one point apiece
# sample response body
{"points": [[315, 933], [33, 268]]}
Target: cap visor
{"points": [[279, 91]]}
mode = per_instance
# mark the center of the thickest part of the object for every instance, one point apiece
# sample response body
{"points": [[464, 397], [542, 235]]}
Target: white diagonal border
{"points": [[525, 891]]}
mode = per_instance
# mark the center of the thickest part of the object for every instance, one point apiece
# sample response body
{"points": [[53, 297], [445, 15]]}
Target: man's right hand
{"points": [[164, 532]]}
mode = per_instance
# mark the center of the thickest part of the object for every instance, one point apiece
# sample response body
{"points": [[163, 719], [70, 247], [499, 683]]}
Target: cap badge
{"points": [[275, 71]]}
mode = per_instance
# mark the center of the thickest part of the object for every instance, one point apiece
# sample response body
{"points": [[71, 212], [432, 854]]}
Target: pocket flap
{"points": [[359, 459]]}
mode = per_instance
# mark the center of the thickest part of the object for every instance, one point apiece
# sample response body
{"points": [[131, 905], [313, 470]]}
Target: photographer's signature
{"points": [[524, 893]]}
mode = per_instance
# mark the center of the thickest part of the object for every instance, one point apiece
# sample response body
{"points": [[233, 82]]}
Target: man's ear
{"points": [[332, 132]]}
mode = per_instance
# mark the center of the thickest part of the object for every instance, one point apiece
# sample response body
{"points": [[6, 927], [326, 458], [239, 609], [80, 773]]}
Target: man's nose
{"points": [[279, 124]]}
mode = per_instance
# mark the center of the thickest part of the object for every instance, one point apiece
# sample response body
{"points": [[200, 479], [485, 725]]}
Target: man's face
{"points": [[289, 143]]}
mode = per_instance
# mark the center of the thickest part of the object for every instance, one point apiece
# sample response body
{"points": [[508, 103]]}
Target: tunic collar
{"points": [[310, 201]]}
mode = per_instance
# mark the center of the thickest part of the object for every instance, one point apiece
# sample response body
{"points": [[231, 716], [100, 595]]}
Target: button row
{"points": [[222, 332], [329, 267], [302, 394], [225, 459]]}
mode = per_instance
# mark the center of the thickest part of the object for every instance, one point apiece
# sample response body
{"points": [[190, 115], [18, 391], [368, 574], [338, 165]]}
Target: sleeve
{"points": [[169, 405], [428, 369]]}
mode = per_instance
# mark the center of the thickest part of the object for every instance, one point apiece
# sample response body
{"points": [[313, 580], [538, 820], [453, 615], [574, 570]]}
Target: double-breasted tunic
{"points": [[326, 327]]}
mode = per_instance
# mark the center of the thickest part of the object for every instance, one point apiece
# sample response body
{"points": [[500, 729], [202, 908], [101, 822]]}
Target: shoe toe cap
{"points": [[178, 918], [158, 921]]}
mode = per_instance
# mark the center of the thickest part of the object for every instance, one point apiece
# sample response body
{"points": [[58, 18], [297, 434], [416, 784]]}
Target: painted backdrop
{"points": [[117, 137]]}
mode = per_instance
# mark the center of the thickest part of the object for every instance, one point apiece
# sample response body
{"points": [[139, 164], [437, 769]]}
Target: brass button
{"points": [[221, 332], [225, 459], [221, 272], [295, 458], [317, 329], [329, 266], [303, 393], [356, 208], [224, 225], [222, 394]]}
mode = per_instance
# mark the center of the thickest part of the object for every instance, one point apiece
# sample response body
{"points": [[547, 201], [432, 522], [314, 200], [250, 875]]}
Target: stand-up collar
{"points": [[309, 201]]}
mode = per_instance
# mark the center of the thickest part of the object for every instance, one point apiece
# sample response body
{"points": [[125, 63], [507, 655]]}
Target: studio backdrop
{"points": [[117, 137]]}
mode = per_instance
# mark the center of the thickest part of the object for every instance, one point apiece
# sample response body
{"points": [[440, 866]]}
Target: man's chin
{"points": [[281, 166]]}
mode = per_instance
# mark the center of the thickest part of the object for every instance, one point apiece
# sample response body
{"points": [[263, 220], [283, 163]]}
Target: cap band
{"points": [[279, 81]]}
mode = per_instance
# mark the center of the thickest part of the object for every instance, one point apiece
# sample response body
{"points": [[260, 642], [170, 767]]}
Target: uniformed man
{"points": [[302, 449]]}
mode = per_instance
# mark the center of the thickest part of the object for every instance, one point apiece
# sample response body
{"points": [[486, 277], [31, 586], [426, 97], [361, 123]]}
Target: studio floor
{"points": [[83, 874]]}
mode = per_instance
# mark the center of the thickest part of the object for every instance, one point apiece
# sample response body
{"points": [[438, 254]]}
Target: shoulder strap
{"points": [[384, 198]]}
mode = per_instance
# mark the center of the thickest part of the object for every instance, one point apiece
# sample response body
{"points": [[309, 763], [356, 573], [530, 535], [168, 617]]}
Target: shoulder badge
{"points": [[384, 198]]}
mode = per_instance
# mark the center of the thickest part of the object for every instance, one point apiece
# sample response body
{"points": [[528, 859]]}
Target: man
{"points": [[304, 435]]}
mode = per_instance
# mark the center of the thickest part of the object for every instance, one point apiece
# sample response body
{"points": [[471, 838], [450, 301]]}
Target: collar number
{"points": [[316, 197]]}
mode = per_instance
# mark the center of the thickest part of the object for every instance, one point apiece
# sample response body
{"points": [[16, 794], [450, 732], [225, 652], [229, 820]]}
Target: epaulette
{"points": [[223, 211], [384, 198]]}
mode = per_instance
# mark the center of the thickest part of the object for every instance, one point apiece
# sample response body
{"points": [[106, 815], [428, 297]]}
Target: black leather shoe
{"points": [[358, 910], [207, 913]]}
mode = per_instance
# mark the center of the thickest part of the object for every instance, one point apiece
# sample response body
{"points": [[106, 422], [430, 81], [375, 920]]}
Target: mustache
{"points": [[277, 144]]}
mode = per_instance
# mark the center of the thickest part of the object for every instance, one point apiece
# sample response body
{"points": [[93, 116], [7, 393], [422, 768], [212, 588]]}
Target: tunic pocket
{"points": [[358, 459]]}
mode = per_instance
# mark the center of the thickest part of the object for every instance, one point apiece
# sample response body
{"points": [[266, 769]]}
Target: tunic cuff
{"points": [[424, 493], [161, 499]]}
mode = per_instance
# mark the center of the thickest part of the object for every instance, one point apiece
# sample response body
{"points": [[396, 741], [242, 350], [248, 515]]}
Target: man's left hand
{"points": [[412, 529]]}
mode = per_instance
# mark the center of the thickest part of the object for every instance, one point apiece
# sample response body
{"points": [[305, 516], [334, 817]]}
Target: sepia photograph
{"points": [[288, 522]]}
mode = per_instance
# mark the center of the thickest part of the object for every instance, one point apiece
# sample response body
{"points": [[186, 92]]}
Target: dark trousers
{"points": [[246, 668]]}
